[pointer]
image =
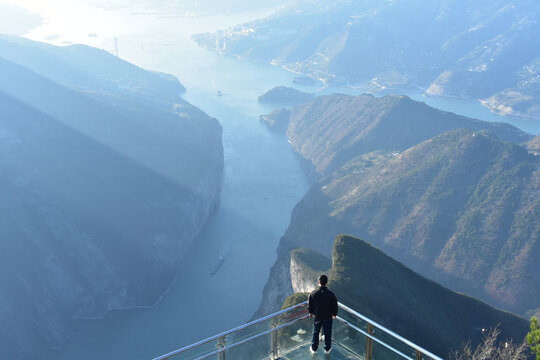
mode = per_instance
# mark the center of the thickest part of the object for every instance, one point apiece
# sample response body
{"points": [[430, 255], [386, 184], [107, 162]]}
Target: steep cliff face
{"points": [[102, 195], [301, 281], [306, 266], [277, 288], [383, 289]]}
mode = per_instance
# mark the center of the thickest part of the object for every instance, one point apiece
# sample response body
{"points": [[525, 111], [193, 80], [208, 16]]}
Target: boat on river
{"points": [[221, 260]]}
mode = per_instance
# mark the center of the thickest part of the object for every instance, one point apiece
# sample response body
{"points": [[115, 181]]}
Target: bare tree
{"points": [[489, 349]]}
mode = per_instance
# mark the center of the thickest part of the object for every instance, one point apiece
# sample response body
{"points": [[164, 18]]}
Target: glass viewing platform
{"points": [[286, 335]]}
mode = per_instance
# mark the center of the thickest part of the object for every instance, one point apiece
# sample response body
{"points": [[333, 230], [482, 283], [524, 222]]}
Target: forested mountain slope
{"points": [[460, 208], [330, 130]]}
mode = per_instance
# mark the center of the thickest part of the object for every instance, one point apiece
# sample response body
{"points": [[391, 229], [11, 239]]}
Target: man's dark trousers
{"points": [[327, 331]]}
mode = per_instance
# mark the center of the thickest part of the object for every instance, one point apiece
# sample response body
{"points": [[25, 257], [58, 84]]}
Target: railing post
{"points": [[369, 343], [418, 355], [274, 341], [275, 345], [221, 345]]}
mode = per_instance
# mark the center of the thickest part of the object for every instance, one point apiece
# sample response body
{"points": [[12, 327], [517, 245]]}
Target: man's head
{"points": [[323, 280]]}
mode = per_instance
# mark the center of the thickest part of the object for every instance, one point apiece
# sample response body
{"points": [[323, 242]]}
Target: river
{"points": [[262, 183]]}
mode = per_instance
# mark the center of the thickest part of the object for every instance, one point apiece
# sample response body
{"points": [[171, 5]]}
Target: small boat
{"points": [[221, 259], [219, 93]]}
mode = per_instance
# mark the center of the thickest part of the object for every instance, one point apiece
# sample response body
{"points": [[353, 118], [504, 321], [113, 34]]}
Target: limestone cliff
{"points": [[306, 266], [102, 194], [381, 288]]}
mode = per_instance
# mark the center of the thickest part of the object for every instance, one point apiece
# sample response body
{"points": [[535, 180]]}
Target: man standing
{"points": [[323, 308]]}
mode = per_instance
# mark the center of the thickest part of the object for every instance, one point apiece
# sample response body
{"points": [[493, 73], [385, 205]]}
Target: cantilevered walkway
{"points": [[286, 335]]}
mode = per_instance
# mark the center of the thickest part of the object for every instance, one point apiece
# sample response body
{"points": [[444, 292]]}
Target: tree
{"points": [[533, 337], [489, 349]]}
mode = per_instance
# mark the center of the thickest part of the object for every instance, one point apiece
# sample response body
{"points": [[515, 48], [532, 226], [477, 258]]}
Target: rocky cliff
{"points": [[434, 317], [102, 195], [458, 208], [306, 266]]}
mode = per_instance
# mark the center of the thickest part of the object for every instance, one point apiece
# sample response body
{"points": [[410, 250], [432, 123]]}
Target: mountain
{"points": [[330, 130], [285, 96], [476, 49], [94, 70], [460, 208], [102, 194], [383, 289]]}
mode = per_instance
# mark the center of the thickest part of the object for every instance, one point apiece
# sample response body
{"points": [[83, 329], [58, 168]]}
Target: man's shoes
{"points": [[313, 352], [327, 351]]}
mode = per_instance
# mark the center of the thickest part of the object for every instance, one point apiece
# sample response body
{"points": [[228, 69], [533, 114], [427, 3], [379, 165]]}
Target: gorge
{"points": [[262, 179], [477, 49], [102, 193]]}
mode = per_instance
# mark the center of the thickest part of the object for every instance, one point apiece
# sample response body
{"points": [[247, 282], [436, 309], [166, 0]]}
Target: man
{"points": [[323, 308]]}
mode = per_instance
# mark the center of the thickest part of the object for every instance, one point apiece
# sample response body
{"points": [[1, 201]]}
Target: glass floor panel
{"points": [[302, 353], [285, 335]]}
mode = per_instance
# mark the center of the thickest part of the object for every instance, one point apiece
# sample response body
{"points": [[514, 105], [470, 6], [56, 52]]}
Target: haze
{"points": [[166, 163]]}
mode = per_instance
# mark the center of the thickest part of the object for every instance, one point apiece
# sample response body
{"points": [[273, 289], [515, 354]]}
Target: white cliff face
{"points": [[278, 287], [294, 271], [302, 279]]}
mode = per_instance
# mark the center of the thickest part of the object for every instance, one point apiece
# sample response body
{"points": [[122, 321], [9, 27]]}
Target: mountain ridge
{"points": [[421, 204], [383, 289], [331, 129]]}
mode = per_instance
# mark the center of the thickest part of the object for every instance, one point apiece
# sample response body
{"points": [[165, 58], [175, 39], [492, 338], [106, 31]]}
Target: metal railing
{"points": [[287, 333]]}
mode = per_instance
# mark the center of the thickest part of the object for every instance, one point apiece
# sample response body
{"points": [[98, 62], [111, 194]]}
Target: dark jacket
{"points": [[322, 303]]}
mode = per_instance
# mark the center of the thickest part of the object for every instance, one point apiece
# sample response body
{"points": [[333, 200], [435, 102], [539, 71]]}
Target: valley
{"points": [[458, 206]]}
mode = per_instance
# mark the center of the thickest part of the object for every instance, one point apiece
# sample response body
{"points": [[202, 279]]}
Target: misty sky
{"points": [[63, 22]]}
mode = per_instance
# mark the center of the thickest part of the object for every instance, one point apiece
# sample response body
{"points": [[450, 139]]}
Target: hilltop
{"points": [[330, 130], [383, 289], [285, 96]]}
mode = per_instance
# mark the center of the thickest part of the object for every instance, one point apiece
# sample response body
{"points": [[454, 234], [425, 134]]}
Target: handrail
{"points": [[271, 316], [228, 332], [374, 338], [393, 334], [266, 332]]}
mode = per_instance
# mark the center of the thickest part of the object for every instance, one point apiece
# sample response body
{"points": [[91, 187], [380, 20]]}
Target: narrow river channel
{"points": [[262, 183]]}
